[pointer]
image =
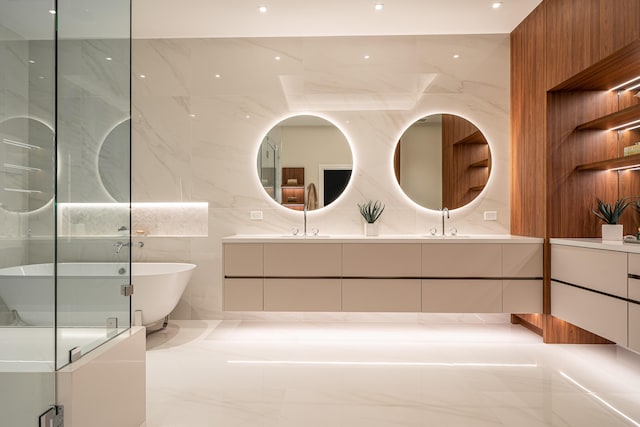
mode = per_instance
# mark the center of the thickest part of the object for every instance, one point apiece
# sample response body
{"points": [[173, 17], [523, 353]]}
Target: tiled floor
{"points": [[437, 371]]}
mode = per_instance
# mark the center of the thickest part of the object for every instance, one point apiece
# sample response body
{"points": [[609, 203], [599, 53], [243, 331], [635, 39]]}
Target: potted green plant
{"points": [[371, 212], [610, 216]]}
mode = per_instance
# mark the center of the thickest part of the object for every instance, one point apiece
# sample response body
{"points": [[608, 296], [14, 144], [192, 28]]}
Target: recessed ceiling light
{"points": [[41, 77], [367, 57], [142, 76], [247, 116], [277, 58], [51, 11], [496, 4], [263, 9], [378, 6], [456, 56], [192, 115], [217, 76], [31, 61], [108, 58]]}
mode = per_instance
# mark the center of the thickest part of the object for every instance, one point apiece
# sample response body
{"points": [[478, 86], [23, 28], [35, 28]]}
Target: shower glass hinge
{"points": [[126, 290], [74, 354], [54, 417]]}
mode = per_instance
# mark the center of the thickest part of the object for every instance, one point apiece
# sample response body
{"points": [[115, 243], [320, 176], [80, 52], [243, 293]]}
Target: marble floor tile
{"points": [[349, 374]]}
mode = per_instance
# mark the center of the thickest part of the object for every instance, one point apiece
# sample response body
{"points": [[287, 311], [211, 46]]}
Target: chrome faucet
{"points": [[305, 219], [445, 211], [120, 245]]}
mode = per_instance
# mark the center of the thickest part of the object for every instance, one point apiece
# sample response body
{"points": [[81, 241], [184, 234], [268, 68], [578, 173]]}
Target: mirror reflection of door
{"points": [[441, 161], [304, 161]]}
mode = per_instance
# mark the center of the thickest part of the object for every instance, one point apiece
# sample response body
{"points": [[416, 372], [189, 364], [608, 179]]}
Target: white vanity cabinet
{"points": [[355, 274], [634, 303], [597, 287]]}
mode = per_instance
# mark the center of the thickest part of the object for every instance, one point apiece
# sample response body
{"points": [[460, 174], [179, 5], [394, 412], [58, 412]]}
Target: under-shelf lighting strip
{"points": [[624, 85], [628, 126], [19, 144]]}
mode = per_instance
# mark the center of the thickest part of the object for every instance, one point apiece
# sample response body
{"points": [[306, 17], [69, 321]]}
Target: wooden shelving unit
{"points": [[612, 120], [293, 194], [626, 162], [480, 164], [475, 138]]}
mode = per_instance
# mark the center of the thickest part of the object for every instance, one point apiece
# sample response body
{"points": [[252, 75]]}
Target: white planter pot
{"points": [[370, 229], [612, 233]]}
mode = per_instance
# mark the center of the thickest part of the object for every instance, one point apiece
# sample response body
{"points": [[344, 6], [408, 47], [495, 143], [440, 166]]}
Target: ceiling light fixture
{"points": [[625, 84], [367, 57], [31, 61], [217, 76], [263, 9], [456, 56], [277, 58], [378, 6], [53, 12], [142, 76], [496, 4], [108, 58]]}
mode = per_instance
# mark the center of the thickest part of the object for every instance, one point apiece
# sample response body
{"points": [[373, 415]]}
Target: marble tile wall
{"points": [[202, 106]]}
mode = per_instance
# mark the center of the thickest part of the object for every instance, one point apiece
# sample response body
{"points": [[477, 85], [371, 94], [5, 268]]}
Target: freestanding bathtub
{"points": [[89, 293]]}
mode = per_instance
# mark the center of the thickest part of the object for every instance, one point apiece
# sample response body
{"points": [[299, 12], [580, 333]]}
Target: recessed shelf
{"points": [[626, 162], [480, 164], [475, 138], [612, 120], [477, 188]]}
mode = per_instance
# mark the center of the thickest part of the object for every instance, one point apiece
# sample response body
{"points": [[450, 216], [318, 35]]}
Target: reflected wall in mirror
{"points": [[304, 161], [442, 160], [114, 152], [26, 150]]}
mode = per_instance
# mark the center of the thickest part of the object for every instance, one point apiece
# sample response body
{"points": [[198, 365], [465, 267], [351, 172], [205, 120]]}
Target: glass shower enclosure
{"points": [[65, 256]]}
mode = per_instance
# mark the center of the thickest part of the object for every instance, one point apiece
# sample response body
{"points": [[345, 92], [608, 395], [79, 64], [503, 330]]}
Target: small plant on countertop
{"points": [[608, 214], [371, 211]]}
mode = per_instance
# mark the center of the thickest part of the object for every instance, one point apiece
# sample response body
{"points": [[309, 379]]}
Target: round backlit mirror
{"points": [[113, 152], [304, 161], [442, 161], [27, 170]]}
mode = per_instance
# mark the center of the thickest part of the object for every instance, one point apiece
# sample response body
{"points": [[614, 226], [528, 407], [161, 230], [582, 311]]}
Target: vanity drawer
{"points": [[522, 296], [243, 259], [600, 314], [462, 296], [634, 326], [522, 260], [462, 260], [302, 295], [381, 260], [398, 295], [302, 259], [634, 289], [243, 295], [597, 269], [634, 264]]}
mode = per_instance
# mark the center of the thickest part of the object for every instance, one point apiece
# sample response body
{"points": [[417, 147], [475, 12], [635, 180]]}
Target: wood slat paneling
{"points": [[528, 123]]}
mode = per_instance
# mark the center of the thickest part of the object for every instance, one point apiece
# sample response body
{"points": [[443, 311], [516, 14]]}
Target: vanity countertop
{"points": [[594, 243], [386, 238]]}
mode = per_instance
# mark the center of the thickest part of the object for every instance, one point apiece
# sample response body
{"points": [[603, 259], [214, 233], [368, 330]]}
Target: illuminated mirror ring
{"points": [[442, 160], [304, 161]]}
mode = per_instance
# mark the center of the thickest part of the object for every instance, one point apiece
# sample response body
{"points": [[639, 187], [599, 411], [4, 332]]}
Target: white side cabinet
{"points": [[597, 287]]}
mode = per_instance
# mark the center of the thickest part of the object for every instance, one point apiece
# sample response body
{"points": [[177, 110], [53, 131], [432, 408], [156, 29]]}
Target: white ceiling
{"points": [[305, 18]]}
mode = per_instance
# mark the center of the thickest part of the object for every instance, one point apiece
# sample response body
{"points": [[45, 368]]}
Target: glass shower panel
{"points": [[93, 211], [27, 226]]}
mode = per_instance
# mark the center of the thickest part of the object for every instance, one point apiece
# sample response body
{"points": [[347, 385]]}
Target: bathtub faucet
{"points": [[120, 245]]}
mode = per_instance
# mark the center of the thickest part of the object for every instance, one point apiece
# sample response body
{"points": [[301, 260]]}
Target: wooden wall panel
{"points": [[528, 123], [581, 32]]}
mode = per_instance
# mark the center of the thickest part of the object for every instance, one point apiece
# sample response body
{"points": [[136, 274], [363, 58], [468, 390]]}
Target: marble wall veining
{"points": [[202, 106]]}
